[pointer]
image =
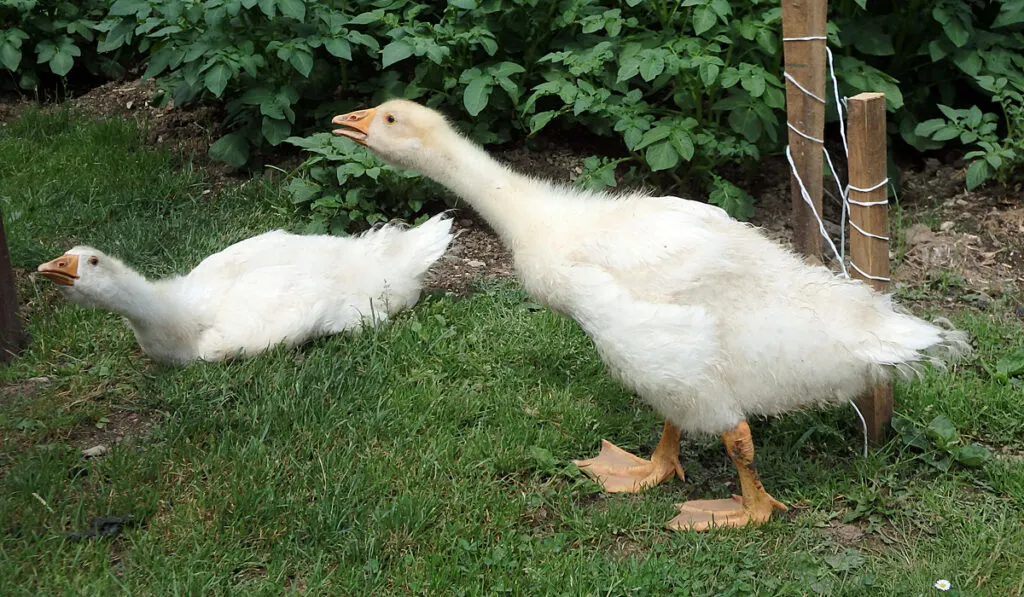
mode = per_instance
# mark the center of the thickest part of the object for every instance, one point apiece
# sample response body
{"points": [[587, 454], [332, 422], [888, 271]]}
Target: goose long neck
{"points": [[507, 200], [139, 300]]}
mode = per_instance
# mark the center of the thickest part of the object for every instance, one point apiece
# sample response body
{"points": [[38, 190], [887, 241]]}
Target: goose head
{"points": [[401, 132], [88, 277]]}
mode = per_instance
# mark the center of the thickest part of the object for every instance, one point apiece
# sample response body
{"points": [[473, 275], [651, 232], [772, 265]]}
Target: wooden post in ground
{"points": [[12, 337], [805, 62], [870, 252]]}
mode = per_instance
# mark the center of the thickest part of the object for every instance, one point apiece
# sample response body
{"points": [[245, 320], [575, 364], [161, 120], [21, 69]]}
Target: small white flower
{"points": [[943, 584]]}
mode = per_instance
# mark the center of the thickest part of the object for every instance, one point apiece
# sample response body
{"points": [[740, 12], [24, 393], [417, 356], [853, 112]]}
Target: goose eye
{"points": [[390, 119], [94, 261]]}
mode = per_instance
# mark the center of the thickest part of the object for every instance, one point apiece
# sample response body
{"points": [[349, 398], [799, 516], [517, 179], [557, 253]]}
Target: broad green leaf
{"points": [[970, 62], [755, 84], [628, 68], [652, 67], [973, 455], [463, 4], [946, 133], [721, 8], [942, 431], [117, 36], [217, 78], [1011, 364], [158, 62], [682, 143], [232, 148], [302, 190], [540, 120], [767, 40], [950, 113], [61, 63], [302, 61], [506, 69], [929, 127], [295, 9], [339, 47], [10, 56], [708, 72], [275, 131], [730, 76], [736, 202], [1011, 13], [394, 52], [365, 18], [745, 122], [956, 33], [703, 19], [661, 156], [45, 51], [267, 6], [937, 49], [122, 8], [653, 135], [510, 88], [477, 94]]}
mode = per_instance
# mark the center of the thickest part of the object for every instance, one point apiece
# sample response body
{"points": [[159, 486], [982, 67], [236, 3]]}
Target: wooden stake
{"points": [[12, 337], [805, 62], [871, 255]]}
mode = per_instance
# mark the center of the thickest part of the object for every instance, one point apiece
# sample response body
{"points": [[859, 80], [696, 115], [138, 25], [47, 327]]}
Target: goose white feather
{"points": [[702, 316], [274, 288]]}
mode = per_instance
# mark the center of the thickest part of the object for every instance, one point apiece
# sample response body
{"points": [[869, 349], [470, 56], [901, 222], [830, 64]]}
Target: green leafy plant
{"points": [[939, 443], [972, 128], [346, 188], [47, 38], [961, 52], [1009, 368]]}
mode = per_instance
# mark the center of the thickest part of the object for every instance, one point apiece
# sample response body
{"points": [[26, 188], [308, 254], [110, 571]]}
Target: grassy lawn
{"points": [[432, 456]]}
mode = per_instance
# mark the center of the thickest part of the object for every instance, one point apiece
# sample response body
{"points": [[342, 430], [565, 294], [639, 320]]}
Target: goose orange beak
{"points": [[62, 271], [355, 125]]}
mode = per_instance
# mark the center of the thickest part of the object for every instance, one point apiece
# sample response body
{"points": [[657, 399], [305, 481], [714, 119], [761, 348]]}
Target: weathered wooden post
{"points": [[869, 227], [12, 336], [803, 26]]}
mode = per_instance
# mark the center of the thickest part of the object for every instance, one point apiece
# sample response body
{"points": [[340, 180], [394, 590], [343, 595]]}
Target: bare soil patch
{"points": [[977, 236], [121, 425]]}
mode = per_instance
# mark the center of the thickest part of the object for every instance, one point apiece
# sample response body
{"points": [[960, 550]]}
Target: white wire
{"points": [[807, 199], [863, 425]]}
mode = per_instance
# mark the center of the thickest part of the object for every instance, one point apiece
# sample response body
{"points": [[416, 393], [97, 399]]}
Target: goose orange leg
{"points": [[618, 471], [755, 506]]}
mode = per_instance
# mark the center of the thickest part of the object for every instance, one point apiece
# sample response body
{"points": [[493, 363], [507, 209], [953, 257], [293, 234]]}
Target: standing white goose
{"points": [[266, 290], [702, 316]]}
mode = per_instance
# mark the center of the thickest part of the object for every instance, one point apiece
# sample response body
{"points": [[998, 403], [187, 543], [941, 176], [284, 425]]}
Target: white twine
{"points": [[844, 191], [863, 425], [807, 199], [792, 80]]}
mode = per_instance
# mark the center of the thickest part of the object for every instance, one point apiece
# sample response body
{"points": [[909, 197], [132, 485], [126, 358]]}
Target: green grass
{"points": [[432, 456]]}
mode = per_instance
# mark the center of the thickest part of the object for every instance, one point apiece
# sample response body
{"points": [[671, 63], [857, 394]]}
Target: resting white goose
{"points": [[703, 317], [266, 290]]}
